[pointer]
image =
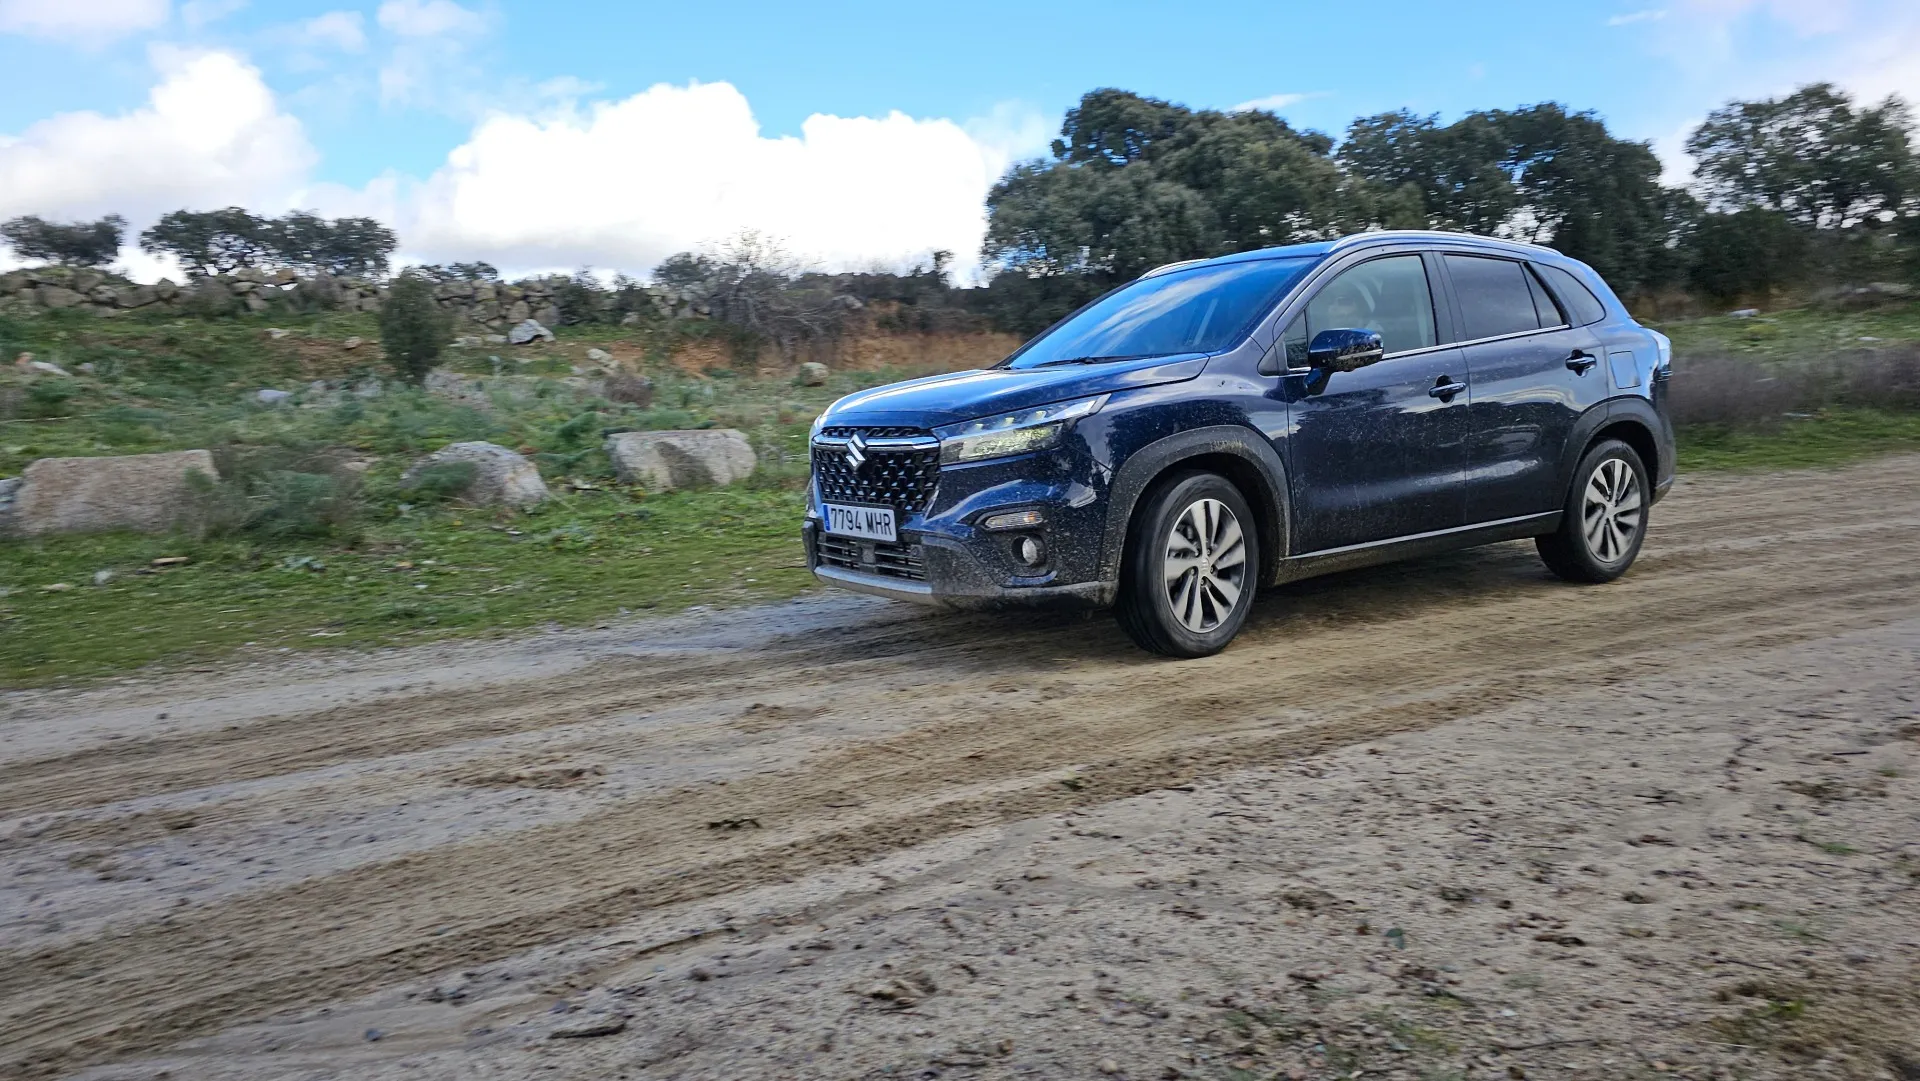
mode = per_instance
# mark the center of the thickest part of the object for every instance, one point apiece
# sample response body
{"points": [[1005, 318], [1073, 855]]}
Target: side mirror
{"points": [[1344, 350]]}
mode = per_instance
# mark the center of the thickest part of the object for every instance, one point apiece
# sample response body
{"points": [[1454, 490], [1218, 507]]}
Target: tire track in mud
{"points": [[1402, 648]]}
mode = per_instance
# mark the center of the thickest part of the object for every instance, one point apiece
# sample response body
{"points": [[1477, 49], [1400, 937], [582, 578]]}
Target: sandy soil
{"points": [[1450, 818]]}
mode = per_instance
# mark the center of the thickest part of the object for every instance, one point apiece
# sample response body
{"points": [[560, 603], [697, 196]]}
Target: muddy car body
{"points": [[1222, 425]]}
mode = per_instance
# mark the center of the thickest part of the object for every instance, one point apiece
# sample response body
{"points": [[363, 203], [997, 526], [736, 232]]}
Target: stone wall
{"points": [[494, 305]]}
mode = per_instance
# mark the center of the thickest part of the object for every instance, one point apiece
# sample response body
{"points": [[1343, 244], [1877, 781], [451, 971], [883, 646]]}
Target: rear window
{"points": [[1575, 296], [1494, 297]]}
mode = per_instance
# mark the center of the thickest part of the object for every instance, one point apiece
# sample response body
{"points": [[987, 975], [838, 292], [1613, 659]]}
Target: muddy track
{"points": [[913, 729]]}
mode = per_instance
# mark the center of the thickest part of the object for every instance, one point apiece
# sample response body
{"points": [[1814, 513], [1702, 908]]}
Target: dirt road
{"points": [[404, 861]]}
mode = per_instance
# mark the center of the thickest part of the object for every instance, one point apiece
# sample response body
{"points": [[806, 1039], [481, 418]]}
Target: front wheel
{"points": [[1192, 567], [1605, 518]]}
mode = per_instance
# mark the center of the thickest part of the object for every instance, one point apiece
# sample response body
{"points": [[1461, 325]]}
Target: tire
{"points": [[1605, 517], [1184, 593]]}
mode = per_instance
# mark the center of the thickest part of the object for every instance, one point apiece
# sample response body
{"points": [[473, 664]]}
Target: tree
{"points": [[413, 329], [223, 241], [79, 244], [212, 241], [343, 247], [1749, 253], [1812, 156]]}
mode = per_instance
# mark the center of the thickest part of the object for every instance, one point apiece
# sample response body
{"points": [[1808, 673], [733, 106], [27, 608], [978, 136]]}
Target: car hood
{"points": [[958, 396]]}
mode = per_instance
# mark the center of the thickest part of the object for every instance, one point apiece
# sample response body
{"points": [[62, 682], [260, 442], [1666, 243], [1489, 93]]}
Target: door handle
{"points": [[1446, 388], [1580, 362]]}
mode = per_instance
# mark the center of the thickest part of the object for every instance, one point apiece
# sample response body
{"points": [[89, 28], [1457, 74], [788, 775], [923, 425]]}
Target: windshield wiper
{"points": [[1093, 360]]}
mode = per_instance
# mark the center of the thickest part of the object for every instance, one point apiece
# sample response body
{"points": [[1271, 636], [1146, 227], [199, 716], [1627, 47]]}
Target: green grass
{"points": [[434, 574], [1831, 438], [1792, 333]]}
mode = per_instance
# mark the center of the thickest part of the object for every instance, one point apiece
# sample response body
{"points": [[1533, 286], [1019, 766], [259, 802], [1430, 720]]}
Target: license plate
{"points": [[870, 523]]}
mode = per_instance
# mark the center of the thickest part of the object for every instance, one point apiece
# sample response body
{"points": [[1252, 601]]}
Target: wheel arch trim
{"points": [[1244, 445]]}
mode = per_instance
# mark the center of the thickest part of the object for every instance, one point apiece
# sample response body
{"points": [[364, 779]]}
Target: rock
{"points": [[600, 356], [148, 493], [22, 361], [85, 367], [663, 461], [1108, 1065], [496, 339], [500, 475], [53, 296], [519, 312], [812, 374], [276, 333], [137, 297], [1744, 313], [256, 304], [102, 577], [455, 387], [269, 396], [86, 281], [352, 343], [528, 330], [46, 367], [588, 1028], [165, 289], [628, 388]]}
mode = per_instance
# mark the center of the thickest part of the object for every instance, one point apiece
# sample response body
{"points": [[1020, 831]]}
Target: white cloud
{"points": [[625, 184], [198, 13], [343, 30], [83, 21], [430, 18], [1645, 15], [1273, 103], [210, 134]]}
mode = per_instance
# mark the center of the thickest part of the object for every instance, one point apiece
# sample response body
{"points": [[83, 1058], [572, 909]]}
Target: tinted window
{"points": [[1494, 298], [1579, 300], [1386, 295], [1543, 305], [1203, 310]]}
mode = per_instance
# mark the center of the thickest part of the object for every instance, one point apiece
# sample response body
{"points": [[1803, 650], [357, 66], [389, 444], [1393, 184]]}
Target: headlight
{"points": [[1012, 433], [1666, 350]]}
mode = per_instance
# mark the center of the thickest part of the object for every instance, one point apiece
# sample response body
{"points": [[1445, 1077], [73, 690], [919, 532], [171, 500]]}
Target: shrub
{"points": [[413, 329], [441, 481]]}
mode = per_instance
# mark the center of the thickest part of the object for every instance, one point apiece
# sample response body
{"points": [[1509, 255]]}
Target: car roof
{"points": [[1361, 240]]}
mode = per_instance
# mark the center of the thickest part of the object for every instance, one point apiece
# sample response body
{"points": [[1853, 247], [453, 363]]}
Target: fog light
{"points": [[1031, 551], [1014, 519]]}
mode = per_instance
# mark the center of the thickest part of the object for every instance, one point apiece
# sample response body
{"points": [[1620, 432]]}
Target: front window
{"points": [[1202, 310]]}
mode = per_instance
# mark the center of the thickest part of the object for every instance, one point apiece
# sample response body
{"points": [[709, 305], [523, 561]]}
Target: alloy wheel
{"points": [[1611, 512], [1205, 565]]}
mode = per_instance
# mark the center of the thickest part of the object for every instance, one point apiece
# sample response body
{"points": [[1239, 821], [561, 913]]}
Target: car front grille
{"points": [[899, 476], [900, 560]]}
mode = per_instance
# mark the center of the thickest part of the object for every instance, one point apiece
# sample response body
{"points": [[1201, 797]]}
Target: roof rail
{"points": [[1164, 267], [1429, 234]]}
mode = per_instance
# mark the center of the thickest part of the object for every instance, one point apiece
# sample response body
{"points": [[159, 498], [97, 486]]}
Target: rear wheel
{"points": [[1605, 518], [1192, 567]]}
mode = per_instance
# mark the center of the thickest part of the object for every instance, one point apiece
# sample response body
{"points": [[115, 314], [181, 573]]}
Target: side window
{"points": [[1543, 305], [1295, 341], [1581, 304], [1386, 295], [1494, 296]]}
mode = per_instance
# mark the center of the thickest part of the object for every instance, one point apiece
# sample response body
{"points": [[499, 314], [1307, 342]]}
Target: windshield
{"points": [[1202, 310]]}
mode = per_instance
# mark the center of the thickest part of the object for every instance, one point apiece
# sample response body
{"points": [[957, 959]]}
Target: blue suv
{"points": [[1224, 424]]}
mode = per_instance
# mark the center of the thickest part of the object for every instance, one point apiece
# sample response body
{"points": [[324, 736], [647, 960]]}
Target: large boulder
{"points": [[150, 493], [500, 476], [663, 461], [529, 330]]}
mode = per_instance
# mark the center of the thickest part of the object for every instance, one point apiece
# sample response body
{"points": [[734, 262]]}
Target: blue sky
{"points": [[357, 106]]}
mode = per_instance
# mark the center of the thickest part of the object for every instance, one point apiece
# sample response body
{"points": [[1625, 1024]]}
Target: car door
{"points": [[1533, 375], [1378, 452]]}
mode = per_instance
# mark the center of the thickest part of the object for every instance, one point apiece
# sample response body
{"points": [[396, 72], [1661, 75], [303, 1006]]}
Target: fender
{"points": [[1626, 409], [1140, 469]]}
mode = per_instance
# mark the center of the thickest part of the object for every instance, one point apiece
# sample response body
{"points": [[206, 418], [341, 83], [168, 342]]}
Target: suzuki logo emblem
{"points": [[856, 452]]}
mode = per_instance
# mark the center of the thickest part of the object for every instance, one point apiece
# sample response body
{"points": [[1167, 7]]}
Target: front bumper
{"points": [[945, 572]]}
